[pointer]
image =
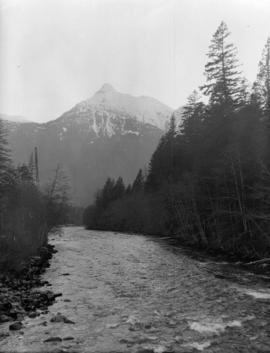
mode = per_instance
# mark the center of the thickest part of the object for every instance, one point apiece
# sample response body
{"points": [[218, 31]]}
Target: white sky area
{"points": [[55, 53]]}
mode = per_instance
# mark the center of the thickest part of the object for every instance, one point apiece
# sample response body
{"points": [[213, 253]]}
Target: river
{"points": [[132, 293]]}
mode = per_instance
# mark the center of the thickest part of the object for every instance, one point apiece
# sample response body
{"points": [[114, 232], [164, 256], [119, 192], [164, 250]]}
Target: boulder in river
{"points": [[16, 326], [4, 318], [68, 338], [5, 306], [53, 339], [33, 314], [61, 318]]}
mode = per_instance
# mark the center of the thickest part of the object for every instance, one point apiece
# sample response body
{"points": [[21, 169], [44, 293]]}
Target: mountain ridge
{"points": [[145, 109], [106, 135]]}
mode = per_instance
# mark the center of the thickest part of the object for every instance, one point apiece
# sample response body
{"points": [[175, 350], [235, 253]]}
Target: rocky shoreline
{"points": [[20, 295]]}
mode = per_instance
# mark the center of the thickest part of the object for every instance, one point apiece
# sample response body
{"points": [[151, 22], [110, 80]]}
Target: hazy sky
{"points": [[55, 53]]}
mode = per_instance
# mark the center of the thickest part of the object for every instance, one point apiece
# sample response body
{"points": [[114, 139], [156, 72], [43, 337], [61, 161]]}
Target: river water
{"points": [[132, 293]]}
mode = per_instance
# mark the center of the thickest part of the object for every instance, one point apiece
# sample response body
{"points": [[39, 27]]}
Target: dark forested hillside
{"points": [[208, 181]]}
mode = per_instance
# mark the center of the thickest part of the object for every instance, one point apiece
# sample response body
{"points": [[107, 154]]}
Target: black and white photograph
{"points": [[134, 176]]}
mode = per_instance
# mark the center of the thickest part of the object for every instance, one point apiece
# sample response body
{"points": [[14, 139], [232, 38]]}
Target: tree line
{"points": [[208, 181], [27, 210]]}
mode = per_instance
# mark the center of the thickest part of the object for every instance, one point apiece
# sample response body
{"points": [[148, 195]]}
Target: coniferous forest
{"points": [[208, 181], [27, 210]]}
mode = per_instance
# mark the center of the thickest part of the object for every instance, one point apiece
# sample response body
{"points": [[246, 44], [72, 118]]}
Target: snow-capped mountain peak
{"points": [[106, 88], [109, 101]]}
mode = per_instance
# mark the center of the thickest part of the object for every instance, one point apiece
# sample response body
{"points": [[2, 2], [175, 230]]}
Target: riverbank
{"points": [[19, 293]]}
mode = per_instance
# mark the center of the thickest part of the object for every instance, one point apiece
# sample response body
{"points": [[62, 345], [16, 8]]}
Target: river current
{"points": [[132, 293]]}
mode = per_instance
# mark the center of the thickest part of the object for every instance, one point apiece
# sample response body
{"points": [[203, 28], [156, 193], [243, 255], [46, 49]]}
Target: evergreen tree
{"points": [[4, 152], [161, 167], [138, 183], [193, 114], [221, 71], [119, 189], [128, 189], [24, 173], [105, 196], [255, 97], [245, 92], [36, 166], [31, 165], [5, 162], [263, 81], [57, 195]]}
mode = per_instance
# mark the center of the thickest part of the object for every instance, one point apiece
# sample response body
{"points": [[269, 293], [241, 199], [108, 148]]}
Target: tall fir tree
{"points": [[119, 189], [262, 83], [4, 152], [162, 166], [105, 196], [138, 183], [4, 159], [193, 115], [6, 175], [221, 71], [31, 165]]}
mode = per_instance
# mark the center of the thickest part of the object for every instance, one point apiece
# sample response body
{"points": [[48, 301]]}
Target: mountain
{"points": [[107, 135], [145, 109], [14, 118]]}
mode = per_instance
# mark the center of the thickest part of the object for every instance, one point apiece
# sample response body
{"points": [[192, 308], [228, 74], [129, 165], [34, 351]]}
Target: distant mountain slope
{"points": [[14, 118], [110, 134], [145, 109]]}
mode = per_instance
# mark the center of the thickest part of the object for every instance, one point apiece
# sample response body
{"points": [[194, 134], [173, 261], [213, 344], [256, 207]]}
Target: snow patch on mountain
{"points": [[145, 109]]}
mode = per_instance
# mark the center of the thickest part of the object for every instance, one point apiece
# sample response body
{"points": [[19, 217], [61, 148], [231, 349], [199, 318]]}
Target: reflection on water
{"points": [[127, 293]]}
